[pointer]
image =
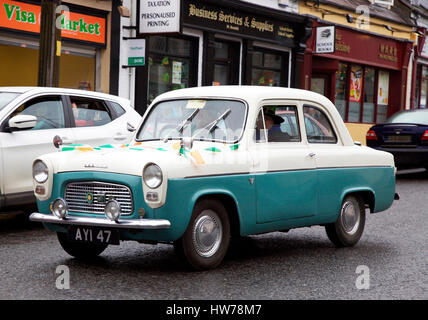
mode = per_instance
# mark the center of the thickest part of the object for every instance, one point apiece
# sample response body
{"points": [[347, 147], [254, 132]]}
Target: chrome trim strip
{"points": [[102, 222]]}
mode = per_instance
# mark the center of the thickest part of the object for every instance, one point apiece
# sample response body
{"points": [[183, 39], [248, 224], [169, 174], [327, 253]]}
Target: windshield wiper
{"points": [[212, 125], [184, 124]]}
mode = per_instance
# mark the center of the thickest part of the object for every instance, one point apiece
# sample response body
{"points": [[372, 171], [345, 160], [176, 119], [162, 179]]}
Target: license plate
{"points": [[93, 235], [398, 138]]}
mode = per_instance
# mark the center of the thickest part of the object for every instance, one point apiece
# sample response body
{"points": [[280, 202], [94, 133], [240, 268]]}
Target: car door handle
{"points": [[65, 140], [119, 136], [312, 154]]}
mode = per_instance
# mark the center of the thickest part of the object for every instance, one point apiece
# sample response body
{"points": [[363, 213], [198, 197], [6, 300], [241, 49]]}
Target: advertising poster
{"points": [[176, 72], [383, 90], [356, 84]]}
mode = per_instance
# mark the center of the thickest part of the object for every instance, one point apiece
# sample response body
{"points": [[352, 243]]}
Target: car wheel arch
{"points": [[366, 194], [230, 203]]}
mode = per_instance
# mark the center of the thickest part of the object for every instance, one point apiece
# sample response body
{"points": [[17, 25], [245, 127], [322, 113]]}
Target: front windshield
{"points": [[6, 97], [212, 120], [417, 117]]}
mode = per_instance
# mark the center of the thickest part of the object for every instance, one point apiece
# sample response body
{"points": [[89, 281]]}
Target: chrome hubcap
{"points": [[207, 233], [350, 217]]}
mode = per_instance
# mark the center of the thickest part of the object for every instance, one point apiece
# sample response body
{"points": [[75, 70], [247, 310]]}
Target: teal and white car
{"points": [[211, 163]]}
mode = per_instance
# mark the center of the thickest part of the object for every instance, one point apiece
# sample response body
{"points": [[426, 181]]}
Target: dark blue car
{"points": [[405, 135]]}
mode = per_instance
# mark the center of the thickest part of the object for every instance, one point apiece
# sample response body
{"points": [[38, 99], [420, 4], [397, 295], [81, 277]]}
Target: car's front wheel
{"points": [[207, 237], [80, 250], [349, 226]]}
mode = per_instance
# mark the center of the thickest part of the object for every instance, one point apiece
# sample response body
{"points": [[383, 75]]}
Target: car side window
{"points": [[117, 109], [280, 123], [318, 126], [89, 112], [48, 110]]}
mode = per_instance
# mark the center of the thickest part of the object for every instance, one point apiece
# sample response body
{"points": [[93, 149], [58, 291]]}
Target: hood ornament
{"points": [[92, 165]]}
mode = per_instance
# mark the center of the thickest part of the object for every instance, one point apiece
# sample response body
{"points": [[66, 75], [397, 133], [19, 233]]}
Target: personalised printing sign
{"points": [[159, 16], [244, 24]]}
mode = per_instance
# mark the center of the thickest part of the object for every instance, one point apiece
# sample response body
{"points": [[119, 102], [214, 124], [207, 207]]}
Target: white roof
{"points": [[35, 90], [245, 93]]}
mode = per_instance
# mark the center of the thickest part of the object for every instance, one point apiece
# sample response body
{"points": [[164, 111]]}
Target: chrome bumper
{"points": [[102, 222]]}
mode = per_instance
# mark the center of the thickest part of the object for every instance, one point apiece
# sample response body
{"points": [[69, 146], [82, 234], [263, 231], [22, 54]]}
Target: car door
{"points": [[21, 147], [284, 170], [329, 154], [96, 122]]}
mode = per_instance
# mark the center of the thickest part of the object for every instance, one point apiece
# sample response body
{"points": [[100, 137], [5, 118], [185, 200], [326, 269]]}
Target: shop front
{"points": [[418, 98], [365, 76], [83, 50], [195, 43]]}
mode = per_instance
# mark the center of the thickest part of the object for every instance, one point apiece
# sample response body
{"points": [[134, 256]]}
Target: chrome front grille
{"points": [[92, 196]]}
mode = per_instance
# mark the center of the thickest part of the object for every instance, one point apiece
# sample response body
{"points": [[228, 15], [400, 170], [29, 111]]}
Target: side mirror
{"points": [[130, 127], [20, 122]]}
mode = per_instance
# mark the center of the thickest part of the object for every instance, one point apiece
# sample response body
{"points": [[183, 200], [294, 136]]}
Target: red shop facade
{"points": [[365, 77]]}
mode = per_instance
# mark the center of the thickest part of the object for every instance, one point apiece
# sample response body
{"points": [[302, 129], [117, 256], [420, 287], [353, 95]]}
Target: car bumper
{"points": [[138, 224], [408, 157]]}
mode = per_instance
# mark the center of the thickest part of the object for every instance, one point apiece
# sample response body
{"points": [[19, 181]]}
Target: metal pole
{"points": [[50, 45]]}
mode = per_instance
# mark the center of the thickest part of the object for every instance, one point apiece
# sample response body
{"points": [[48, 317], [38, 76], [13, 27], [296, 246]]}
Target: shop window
{"points": [[362, 103], [369, 95], [269, 69], [424, 84], [170, 65], [417, 87], [340, 93], [355, 92], [382, 97], [226, 63]]}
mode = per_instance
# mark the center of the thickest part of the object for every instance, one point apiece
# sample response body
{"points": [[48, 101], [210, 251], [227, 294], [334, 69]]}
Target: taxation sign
{"points": [[159, 16], [136, 52], [325, 39]]}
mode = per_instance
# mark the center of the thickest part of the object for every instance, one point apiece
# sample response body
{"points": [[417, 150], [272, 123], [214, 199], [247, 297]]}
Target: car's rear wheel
{"points": [[80, 250], [349, 226], [207, 237]]}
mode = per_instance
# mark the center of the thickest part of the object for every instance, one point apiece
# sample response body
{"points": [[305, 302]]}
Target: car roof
{"points": [[35, 90], [244, 93]]}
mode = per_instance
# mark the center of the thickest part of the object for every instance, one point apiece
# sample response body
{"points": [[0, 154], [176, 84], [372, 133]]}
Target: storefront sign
{"points": [[217, 18], [26, 17], [285, 5], [367, 49], [325, 39], [159, 16], [136, 52]]}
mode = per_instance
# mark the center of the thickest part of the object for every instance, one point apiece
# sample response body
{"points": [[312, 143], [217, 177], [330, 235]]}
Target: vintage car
{"points": [[211, 163]]}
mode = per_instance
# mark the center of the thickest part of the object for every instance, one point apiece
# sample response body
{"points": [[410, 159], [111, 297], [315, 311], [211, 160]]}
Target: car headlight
{"points": [[40, 171], [152, 175]]}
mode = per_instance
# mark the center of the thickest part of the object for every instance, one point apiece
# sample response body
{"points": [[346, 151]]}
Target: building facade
{"points": [[196, 43], [366, 74], [85, 43]]}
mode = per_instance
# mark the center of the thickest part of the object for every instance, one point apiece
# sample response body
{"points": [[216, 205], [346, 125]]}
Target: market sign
{"points": [[325, 39], [215, 18], [159, 16], [26, 17], [136, 52]]}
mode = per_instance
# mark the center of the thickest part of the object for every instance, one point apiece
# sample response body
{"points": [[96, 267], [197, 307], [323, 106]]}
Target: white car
{"points": [[30, 118], [209, 163]]}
